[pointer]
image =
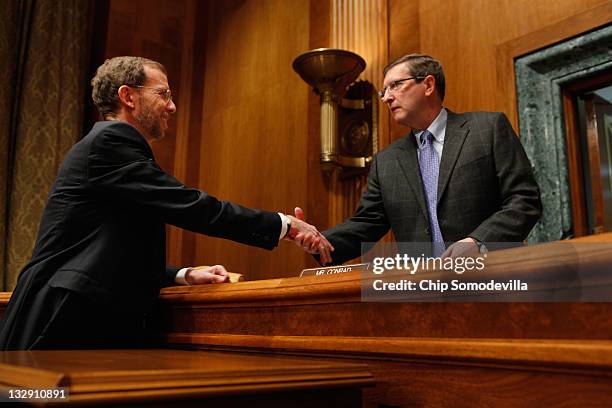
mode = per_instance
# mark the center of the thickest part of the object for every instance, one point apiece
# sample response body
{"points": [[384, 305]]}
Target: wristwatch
{"points": [[482, 249]]}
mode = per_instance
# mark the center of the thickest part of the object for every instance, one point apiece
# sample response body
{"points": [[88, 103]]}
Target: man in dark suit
{"points": [[99, 259], [457, 180]]}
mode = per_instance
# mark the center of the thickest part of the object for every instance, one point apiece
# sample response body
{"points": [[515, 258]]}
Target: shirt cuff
{"points": [[284, 224], [180, 277]]}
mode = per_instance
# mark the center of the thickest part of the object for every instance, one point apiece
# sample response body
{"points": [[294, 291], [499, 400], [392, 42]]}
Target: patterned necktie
{"points": [[429, 163]]}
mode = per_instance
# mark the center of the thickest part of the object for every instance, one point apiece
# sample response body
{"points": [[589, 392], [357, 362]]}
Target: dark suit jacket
{"points": [[102, 233], [486, 189]]}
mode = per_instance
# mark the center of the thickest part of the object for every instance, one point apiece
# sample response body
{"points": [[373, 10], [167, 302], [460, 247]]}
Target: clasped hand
{"points": [[308, 238]]}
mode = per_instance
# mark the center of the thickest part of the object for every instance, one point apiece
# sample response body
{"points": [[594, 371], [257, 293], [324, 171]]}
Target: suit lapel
{"points": [[409, 164], [455, 136]]}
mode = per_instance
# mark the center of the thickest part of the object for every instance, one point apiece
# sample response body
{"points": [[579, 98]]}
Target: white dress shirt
{"points": [[438, 130]]}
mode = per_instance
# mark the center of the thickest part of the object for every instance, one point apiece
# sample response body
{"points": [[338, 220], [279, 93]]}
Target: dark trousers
{"points": [[57, 318]]}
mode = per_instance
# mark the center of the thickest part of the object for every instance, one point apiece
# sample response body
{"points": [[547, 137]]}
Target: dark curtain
{"points": [[44, 64]]}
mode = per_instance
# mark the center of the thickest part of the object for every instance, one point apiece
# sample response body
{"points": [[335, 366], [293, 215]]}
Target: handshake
{"points": [[308, 238], [304, 235]]}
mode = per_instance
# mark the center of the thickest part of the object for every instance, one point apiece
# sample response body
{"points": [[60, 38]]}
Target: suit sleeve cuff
{"points": [[180, 277], [284, 225]]}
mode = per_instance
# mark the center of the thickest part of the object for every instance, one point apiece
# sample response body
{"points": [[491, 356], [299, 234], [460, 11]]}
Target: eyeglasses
{"points": [[166, 94], [392, 87]]}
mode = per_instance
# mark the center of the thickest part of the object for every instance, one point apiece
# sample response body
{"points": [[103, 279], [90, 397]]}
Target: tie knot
{"points": [[426, 137]]}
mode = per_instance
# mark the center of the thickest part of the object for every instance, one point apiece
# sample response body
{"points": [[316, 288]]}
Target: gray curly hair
{"points": [[114, 73]]}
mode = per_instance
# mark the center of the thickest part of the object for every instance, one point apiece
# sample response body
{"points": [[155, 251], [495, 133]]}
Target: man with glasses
{"points": [[454, 178], [99, 260]]}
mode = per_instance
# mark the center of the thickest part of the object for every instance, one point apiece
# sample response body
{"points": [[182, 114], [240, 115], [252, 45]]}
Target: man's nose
{"points": [[171, 107], [387, 97]]}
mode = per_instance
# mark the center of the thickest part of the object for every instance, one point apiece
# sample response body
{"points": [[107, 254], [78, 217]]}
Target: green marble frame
{"points": [[540, 78]]}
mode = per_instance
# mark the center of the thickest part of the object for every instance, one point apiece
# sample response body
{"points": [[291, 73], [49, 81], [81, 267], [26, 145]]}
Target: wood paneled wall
{"points": [[246, 129], [404, 38], [137, 28], [465, 35], [255, 131]]}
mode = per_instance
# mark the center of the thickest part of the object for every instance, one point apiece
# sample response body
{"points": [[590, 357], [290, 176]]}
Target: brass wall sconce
{"points": [[349, 115]]}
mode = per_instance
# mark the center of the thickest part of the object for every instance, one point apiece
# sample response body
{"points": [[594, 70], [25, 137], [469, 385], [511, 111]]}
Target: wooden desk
{"points": [[421, 354], [185, 378]]}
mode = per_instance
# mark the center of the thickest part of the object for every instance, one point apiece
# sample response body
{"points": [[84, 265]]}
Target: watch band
{"points": [[481, 247]]}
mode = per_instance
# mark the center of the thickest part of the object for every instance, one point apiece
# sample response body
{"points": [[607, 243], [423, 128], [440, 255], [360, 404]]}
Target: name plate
{"points": [[332, 270]]}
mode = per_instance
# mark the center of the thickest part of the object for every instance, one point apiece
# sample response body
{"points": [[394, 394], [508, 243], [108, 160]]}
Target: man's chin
{"points": [[398, 116], [159, 132], [155, 135]]}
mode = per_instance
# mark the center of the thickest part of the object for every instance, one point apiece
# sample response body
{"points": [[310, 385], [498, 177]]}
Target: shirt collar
{"points": [[437, 127]]}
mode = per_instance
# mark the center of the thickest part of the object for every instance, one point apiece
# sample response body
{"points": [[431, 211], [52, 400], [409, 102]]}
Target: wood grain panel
{"points": [[464, 35], [187, 166], [255, 133], [439, 372], [137, 28], [404, 38], [426, 320], [272, 302], [183, 120], [412, 384]]}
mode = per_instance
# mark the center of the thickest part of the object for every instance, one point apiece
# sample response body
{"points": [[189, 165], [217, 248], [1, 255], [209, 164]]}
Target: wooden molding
{"points": [[4, 299], [545, 354], [575, 167], [574, 153], [592, 143]]}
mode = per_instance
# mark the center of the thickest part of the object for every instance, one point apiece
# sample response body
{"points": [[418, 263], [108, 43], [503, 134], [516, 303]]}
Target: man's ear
{"points": [[430, 85], [126, 96]]}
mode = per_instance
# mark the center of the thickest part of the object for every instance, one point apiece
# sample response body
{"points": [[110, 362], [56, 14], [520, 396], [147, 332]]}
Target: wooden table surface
{"points": [[153, 374]]}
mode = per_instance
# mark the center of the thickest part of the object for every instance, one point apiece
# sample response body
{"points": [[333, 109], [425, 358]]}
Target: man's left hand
{"points": [[201, 275]]}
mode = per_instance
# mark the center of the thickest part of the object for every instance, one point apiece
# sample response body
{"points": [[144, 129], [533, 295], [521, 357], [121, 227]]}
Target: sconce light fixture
{"points": [[349, 115]]}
